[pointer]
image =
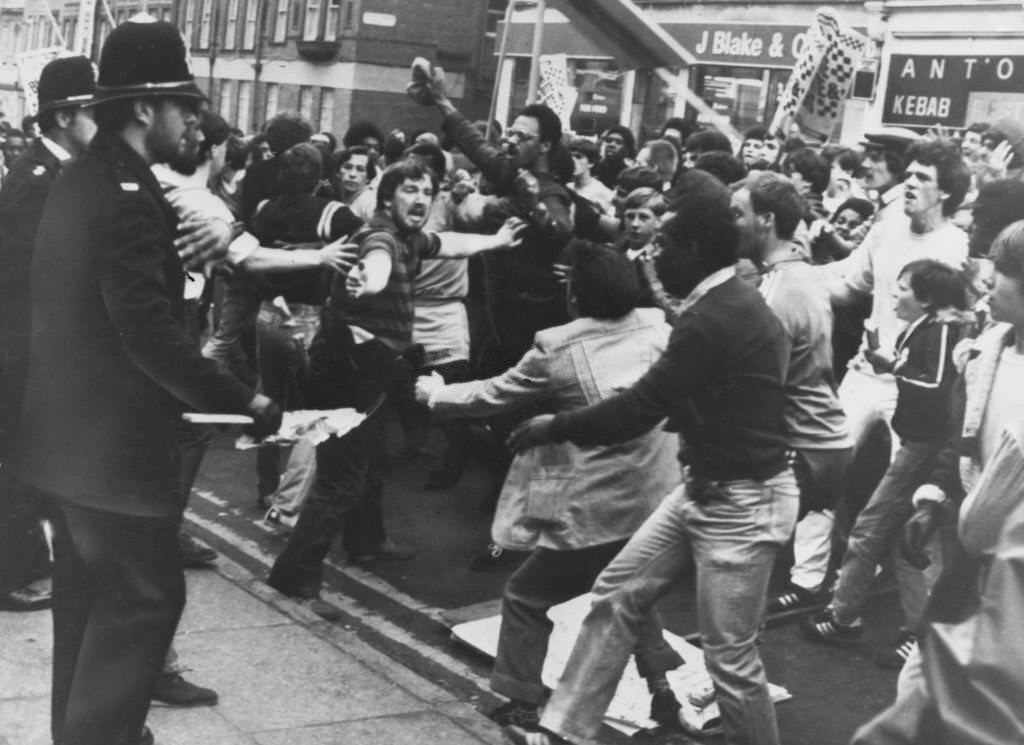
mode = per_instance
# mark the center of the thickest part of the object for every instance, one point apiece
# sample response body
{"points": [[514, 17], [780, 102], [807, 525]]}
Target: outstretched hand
{"points": [[340, 255], [531, 433]]}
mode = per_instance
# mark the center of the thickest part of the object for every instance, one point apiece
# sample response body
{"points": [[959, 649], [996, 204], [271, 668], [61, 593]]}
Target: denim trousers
{"points": [[544, 580], [732, 542], [877, 530]]}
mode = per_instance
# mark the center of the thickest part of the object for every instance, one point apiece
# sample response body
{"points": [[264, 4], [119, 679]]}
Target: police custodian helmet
{"points": [[145, 57], [66, 82]]}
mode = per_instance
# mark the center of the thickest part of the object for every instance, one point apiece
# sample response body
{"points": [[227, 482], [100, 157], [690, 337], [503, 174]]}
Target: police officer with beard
{"points": [[111, 372]]}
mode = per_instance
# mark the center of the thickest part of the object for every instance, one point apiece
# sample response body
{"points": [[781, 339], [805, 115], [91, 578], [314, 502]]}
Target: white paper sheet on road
{"points": [[629, 709], [309, 424]]}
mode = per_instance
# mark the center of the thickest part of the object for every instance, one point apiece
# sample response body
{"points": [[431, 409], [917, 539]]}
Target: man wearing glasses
{"points": [[523, 294]]}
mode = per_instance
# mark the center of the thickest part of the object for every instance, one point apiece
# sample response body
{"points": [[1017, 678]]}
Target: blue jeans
{"points": [[876, 531], [733, 543], [544, 580]]}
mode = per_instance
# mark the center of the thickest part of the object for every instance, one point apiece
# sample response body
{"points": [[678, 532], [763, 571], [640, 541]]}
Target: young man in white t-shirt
{"points": [[936, 182]]}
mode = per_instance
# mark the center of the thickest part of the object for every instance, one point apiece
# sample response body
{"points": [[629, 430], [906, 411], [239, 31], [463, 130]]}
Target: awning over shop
{"points": [[621, 28], [600, 28]]}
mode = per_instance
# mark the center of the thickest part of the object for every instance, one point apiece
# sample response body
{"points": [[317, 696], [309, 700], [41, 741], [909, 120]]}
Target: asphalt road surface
{"points": [[404, 608]]}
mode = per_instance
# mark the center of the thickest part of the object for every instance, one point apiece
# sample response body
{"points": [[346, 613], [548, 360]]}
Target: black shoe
{"points": [[195, 555], [665, 708], [146, 738], [896, 657], [497, 559], [172, 689], [518, 713], [823, 627], [35, 596], [796, 598]]}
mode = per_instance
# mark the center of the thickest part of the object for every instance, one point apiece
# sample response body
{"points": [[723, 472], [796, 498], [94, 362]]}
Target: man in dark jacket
{"points": [[111, 372], [65, 120]]}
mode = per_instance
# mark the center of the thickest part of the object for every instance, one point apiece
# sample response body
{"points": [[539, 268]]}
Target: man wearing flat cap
{"points": [[65, 91], [112, 370]]}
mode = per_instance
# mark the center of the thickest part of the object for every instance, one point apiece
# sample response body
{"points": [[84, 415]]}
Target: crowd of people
{"points": [[674, 356]]}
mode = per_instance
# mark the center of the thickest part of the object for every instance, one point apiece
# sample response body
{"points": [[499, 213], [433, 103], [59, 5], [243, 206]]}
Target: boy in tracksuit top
{"points": [[930, 296]]}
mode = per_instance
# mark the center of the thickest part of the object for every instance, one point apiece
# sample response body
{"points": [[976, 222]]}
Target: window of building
{"points": [[252, 9], [314, 16], [281, 21], [244, 114], [295, 25], [306, 103], [270, 106], [327, 110], [348, 15], [205, 24], [188, 28], [231, 25], [227, 100], [331, 20], [495, 15]]}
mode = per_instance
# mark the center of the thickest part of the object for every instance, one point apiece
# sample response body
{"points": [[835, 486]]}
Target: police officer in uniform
{"points": [[111, 372], [65, 91]]}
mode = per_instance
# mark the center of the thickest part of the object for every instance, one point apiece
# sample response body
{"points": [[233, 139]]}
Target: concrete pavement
{"points": [[285, 677]]}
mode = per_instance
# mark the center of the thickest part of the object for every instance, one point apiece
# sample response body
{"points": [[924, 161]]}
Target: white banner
{"points": [[30, 67]]}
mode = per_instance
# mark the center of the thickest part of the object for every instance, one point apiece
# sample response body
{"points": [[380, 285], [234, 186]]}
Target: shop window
{"points": [[741, 96]]}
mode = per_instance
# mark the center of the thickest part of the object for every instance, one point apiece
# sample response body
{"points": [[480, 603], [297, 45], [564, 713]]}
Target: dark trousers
{"points": [[544, 580], [24, 555], [118, 592], [346, 496]]}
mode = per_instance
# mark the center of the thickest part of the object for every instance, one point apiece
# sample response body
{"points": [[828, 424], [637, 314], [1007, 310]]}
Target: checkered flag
{"points": [[554, 89], [822, 77]]}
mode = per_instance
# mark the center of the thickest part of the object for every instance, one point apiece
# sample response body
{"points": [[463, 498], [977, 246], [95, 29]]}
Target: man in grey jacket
{"points": [[573, 506]]}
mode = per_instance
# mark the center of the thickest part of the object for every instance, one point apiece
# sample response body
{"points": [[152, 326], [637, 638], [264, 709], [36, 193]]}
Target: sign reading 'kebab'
{"points": [[954, 90]]}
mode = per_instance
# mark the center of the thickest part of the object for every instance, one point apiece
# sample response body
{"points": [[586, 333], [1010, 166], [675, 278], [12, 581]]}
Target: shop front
{"points": [[953, 65], [742, 60]]}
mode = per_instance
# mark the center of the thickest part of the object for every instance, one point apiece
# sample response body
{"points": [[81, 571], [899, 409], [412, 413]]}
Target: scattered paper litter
{"points": [[630, 709], [307, 424]]}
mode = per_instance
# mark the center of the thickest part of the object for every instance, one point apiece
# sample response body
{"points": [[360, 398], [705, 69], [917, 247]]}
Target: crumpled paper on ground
{"points": [[307, 424]]}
